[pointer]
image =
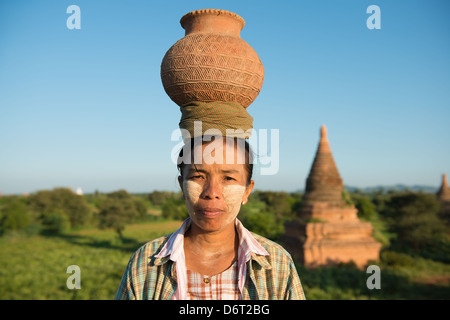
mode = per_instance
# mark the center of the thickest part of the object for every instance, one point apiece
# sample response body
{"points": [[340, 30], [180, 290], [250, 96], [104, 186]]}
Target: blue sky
{"points": [[86, 108]]}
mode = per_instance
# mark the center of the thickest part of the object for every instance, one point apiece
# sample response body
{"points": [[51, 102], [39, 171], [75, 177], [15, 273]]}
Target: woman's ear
{"points": [[248, 191], [180, 182]]}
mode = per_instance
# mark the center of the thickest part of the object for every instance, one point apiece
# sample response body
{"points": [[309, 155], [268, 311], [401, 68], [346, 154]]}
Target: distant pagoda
{"points": [[324, 184], [444, 191], [332, 233], [444, 197]]}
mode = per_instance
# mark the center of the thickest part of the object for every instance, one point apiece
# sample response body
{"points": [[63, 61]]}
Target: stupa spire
{"points": [[444, 191], [324, 183], [324, 146], [323, 132]]}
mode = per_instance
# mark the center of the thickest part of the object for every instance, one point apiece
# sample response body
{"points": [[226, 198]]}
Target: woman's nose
{"points": [[212, 189]]}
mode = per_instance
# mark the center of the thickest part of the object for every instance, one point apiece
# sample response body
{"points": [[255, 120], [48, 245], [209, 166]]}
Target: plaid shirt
{"points": [[157, 269], [222, 286]]}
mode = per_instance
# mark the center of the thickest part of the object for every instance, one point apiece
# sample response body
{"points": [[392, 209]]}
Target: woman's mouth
{"points": [[209, 212]]}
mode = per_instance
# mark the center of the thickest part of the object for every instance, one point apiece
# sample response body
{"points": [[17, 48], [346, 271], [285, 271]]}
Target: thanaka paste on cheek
{"points": [[192, 191], [232, 196]]}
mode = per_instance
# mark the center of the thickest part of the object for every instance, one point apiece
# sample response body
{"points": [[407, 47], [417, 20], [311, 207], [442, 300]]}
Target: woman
{"points": [[212, 255]]}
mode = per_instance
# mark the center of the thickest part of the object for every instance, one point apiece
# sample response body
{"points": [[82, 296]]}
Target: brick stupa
{"points": [[444, 195], [444, 192], [331, 232]]}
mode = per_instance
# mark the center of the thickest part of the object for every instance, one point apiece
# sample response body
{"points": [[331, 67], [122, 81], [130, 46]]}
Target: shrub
{"points": [[174, 209], [118, 209], [158, 198], [396, 259], [56, 222], [366, 208], [61, 200], [414, 218], [15, 216], [261, 221]]}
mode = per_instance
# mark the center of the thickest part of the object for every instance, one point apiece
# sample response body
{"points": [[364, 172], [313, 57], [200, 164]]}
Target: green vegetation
{"points": [[266, 212], [60, 204], [34, 267], [44, 233], [118, 209]]}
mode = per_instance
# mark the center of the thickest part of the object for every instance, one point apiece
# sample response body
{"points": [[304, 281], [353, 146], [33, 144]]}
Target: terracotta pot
{"points": [[212, 62]]}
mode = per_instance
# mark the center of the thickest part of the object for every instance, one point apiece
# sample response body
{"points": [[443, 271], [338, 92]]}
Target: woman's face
{"points": [[214, 189]]}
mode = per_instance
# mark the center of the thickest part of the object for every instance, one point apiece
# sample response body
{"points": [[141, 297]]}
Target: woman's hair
{"points": [[236, 141]]}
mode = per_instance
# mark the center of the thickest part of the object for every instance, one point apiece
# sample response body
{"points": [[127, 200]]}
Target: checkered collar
{"points": [[174, 247]]}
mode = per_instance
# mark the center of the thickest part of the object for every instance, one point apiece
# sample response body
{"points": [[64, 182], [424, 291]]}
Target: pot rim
{"points": [[216, 12]]}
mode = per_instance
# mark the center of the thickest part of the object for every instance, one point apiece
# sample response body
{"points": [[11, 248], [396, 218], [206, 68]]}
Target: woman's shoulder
{"points": [[151, 248]]}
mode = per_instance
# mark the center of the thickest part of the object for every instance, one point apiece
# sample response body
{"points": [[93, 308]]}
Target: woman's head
{"points": [[215, 177], [239, 153]]}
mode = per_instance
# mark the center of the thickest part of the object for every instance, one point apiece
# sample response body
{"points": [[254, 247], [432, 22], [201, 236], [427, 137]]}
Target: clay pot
{"points": [[212, 63]]}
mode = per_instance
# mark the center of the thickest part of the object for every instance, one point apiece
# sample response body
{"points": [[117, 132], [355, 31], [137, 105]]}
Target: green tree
{"points": [[174, 209], [414, 218], [118, 209], [15, 216], [64, 201], [158, 198], [366, 208], [280, 204], [257, 218], [56, 221]]}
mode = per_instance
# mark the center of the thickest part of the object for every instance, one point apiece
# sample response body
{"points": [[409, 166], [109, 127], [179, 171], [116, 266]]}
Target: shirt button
{"points": [[206, 280]]}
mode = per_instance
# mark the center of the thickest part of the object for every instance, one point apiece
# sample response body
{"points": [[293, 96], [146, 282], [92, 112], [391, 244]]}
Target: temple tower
{"points": [[333, 231], [444, 192], [324, 184], [444, 196]]}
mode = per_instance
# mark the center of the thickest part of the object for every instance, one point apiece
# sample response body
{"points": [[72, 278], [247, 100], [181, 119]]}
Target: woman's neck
{"points": [[210, 252], [216, 241]]}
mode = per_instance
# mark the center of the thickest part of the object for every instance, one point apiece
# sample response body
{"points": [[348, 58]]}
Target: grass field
{"points": [[34, 267]]}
